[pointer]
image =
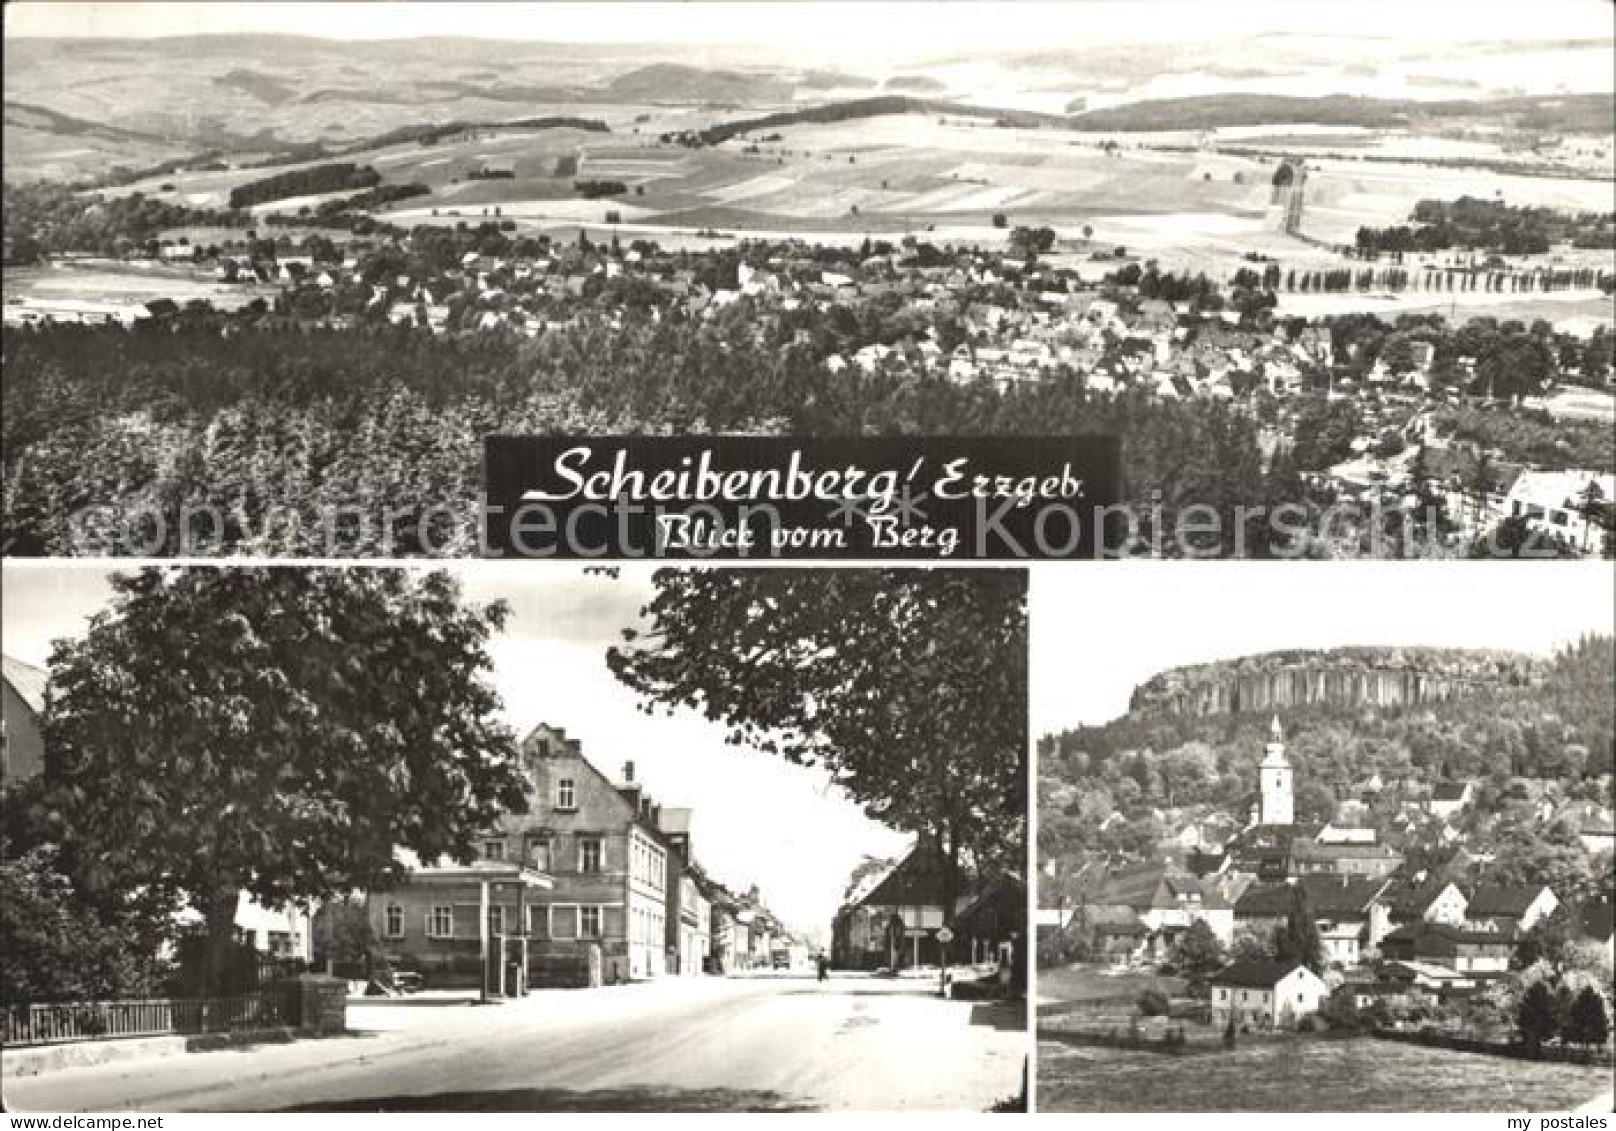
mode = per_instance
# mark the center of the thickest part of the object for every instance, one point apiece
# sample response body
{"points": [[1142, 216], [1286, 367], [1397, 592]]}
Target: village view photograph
{"points": [[513, 839], [1340, 841], [274, 271]]}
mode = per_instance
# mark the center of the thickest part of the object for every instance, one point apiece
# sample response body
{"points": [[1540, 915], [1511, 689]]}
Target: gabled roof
{"points": [[917, 881], [988, 901], [1445, 939], [1498, 899], [1111, 919], [1134, 884], [1404, 898], [1326, 896], [1254, 973], [28, 682], [554, 743]]}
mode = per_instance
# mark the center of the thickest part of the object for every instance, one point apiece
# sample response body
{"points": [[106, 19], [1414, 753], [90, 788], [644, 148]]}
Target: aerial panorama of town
{"points": [[1365, 281]]}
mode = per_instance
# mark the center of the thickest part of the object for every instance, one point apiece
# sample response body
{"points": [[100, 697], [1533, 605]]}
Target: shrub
{"points": [[56, 948], [1341, 1014], [1154, 1003]]}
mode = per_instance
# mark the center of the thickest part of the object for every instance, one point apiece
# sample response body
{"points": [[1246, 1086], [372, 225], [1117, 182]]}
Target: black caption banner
{"points": [[734, 497]]}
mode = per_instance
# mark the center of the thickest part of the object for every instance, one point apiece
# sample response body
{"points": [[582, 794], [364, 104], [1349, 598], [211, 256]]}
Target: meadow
{"points": [[1307, 1074]]}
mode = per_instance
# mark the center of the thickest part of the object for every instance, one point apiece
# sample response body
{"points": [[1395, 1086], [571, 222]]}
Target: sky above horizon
{"points": [[1099, 633], [758, 819], [884, 28]]}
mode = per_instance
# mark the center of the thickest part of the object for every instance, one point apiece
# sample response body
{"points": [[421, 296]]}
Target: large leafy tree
{"points": [[1198, 955], [908, 686], [275, 731]]}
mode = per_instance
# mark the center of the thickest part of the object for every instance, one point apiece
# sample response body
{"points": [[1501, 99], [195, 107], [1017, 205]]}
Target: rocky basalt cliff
{"points": [[1342, 678]]}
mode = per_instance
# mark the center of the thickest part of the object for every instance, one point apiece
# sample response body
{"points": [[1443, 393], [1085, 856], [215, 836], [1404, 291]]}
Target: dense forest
{"points": [[1535, 734], [43, 219], [1490, 225], [251, 417], [334, 177], [852, 109]]}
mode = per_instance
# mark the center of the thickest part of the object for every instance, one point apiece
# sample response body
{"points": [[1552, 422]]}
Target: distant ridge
{"points": [[872, 107], [19, 113], [1586, 112]]}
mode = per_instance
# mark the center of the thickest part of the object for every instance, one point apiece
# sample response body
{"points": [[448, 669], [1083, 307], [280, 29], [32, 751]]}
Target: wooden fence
{"points": [[272, 1007]]}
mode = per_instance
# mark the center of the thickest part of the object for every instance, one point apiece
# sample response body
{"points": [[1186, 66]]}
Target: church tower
{"points": [[1278, 804]]}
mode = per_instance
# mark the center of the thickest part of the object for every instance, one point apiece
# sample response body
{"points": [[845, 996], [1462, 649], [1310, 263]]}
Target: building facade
{"points": [[1262, 994], [22, 747], [598, 841]]}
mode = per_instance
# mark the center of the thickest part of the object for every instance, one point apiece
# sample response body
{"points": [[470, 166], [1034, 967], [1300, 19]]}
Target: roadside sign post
{"points": [[944, 937]]}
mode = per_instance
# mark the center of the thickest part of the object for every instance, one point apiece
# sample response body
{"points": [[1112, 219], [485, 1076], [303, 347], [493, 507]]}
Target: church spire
{"points": [[1278, 801]]}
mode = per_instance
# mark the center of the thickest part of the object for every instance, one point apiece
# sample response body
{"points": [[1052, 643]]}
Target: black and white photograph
{"points": [[1337, 275], [1331, 839], [514, 839]]}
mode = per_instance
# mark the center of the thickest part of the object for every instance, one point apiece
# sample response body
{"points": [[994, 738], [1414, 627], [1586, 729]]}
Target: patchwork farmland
{"points": [[1198, 208]]}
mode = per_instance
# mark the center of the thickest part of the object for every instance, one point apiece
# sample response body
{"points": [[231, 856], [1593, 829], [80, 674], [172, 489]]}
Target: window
{"points": [[538, 854], [589, 922], [566, 794], [440, 922], [588, 854], [493, 850], [496, 920], [280, 944], [393, 921]]}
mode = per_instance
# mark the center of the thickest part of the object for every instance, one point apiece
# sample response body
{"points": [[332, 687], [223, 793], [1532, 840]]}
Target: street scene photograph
{"points": [[1338, 841], [1337, 276], [509, 838]]}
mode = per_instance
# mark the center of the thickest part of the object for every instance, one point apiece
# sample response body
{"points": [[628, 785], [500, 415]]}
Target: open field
{"points": [[1307, 1074], [1575, 311], [1085, 982], [1343, 195], [118, 283]]}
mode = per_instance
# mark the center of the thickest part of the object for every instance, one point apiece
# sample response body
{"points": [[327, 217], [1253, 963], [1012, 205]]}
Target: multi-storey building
{"points": [[598, 841]]}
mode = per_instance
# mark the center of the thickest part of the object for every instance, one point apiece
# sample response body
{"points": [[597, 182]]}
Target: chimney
{"points": [[628, 772]]}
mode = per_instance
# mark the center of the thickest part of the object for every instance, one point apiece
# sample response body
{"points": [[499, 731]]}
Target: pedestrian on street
{"points": [[823, 963]]}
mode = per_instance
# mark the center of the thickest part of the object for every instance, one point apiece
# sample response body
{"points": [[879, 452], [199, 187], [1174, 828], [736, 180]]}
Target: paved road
{"points": [[699, 1044]]}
